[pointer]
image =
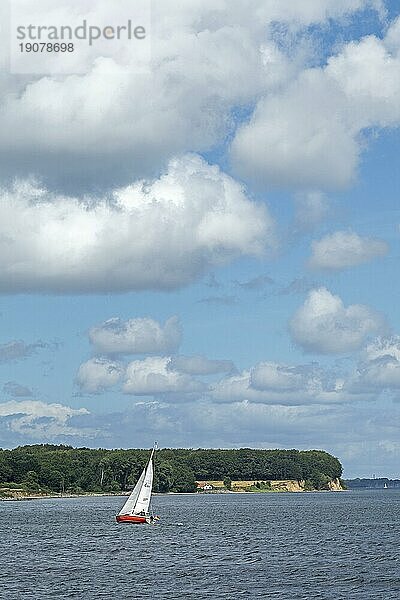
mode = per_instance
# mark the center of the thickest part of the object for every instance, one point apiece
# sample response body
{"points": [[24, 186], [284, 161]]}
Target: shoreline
{"points": [[122, 494], [55, 497]]}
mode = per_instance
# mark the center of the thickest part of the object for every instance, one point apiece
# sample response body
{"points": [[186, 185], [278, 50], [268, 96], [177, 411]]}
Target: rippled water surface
{"points": [[280, 546]]}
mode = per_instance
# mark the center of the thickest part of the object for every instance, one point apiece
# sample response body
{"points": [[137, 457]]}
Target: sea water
{"points": [[341, 545]]}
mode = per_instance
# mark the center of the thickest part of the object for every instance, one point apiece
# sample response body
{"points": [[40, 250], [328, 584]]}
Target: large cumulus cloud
{"points": [[309, 133], [324, 324], [160, 234], [112, 122]]}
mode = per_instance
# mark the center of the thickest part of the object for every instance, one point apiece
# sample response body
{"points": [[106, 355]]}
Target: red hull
{"points": [[130, 519]]}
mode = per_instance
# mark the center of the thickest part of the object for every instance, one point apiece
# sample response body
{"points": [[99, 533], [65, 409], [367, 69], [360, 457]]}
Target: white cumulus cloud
{"points": [[154, 375], [279, 377], [309, 133], [150, 235], [323, 324], [136, 336], [207, 59], [379, 368], [40, 421], [99, 374], [343, 249], [281, 384]]}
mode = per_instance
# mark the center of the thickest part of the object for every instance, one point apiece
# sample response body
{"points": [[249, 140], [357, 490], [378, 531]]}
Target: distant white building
{"points": [[204, 485]]}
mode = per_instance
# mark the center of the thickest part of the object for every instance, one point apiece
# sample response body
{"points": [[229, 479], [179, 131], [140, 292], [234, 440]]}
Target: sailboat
{"points": [[136, 508]]}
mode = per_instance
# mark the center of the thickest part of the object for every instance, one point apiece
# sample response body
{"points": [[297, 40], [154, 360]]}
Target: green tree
{"points": [[31, 480], [228, 483]]}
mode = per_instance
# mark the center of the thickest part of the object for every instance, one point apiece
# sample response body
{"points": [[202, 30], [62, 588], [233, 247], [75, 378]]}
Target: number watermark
{"points": [[46, 47]]}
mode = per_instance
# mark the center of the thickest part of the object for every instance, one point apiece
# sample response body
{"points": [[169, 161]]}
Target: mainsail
{"points": [[139, 500], [143, 501]]}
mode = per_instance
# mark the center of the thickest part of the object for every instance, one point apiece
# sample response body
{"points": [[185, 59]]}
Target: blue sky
{"points": [[245, 294]]}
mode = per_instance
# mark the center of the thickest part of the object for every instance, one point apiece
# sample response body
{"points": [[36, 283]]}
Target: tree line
{"points": [[59, 468]]}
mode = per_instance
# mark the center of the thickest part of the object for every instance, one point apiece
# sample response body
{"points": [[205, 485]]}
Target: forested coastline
{"points": [[48, 468]]}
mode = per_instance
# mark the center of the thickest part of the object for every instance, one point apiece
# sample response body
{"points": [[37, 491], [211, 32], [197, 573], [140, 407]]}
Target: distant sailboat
{"points": [[136, 508]]}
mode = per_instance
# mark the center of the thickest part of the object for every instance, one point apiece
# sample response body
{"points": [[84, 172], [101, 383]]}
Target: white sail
{"points": [[129, 505], [143, 501], [139, 499]]}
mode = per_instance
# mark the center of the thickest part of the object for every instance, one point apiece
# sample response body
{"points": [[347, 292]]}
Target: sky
{"points": [[205, 253]]}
